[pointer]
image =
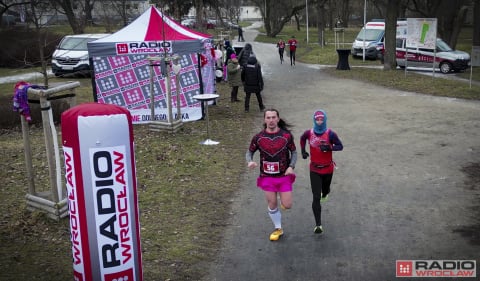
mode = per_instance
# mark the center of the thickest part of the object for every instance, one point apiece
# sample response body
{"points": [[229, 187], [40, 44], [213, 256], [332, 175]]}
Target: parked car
{"points": [[71, 55], [190, 23], [372, 36], [232, 25], [446, 59], [210, 23]]}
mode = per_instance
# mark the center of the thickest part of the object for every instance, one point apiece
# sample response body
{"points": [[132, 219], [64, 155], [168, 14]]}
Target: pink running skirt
{"points": [[276, 184]]}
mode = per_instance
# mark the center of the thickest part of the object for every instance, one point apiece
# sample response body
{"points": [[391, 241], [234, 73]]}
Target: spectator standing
{"points": [[293, 43], [245, 54], [234, 77], [252, 82], [240, 34], [228, 51]]}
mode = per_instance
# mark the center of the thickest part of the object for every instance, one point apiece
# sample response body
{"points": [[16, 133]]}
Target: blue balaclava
{"points": [[322, 128]]}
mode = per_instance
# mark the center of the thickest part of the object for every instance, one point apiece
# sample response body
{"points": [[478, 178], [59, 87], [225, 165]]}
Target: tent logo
{"points": [[404, 268], [122, 48], [144, 47]]}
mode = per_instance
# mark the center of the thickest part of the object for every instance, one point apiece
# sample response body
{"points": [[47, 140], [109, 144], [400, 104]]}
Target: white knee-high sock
{"points": [[276, 217]]}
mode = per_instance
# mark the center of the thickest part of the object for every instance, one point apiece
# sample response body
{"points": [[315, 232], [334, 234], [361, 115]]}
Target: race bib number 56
{"points": [[271, 167]]}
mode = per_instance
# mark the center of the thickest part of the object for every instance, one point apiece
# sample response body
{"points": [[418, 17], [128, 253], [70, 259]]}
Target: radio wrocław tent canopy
{"points": [[122, 69]]}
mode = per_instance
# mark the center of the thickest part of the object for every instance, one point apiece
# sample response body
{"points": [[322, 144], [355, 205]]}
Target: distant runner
{"points": [[292, 42], [281, 49]]}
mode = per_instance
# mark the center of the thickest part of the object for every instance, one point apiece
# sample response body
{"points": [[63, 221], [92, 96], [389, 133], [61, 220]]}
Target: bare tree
{"points": [[476, 23], [390, 34], [380, 6], [450, 16], [78, 13], [175, 8], [200, 19], [344, 12], [321, 11], [7, 5], [119, 8], [276, 13], [35, 13]]}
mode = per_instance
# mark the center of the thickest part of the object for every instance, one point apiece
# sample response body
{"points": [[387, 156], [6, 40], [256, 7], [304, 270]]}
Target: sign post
{"points": [[474, 61], [102, 192]]}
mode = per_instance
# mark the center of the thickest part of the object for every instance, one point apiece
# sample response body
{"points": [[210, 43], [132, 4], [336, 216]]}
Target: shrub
{"points": [[22, 49], [10, 119]]}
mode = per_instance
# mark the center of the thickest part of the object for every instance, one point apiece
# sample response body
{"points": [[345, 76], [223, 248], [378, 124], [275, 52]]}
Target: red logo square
{"points": [[404, 268], [122, 48]]}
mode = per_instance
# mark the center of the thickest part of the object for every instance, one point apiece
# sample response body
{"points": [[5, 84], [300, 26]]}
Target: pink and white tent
{"points": [[122, 69]]}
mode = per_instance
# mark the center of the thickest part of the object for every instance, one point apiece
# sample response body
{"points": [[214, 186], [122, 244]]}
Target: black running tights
{"points": [[320, 184]]}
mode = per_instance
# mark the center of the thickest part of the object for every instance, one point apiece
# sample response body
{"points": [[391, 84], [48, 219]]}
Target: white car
{"points": [[446, 59], [71, 55], [190, 23]]}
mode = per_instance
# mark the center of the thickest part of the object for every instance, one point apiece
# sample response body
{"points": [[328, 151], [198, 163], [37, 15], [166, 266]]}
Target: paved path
{"points": [[37, 76], [406, 187]]}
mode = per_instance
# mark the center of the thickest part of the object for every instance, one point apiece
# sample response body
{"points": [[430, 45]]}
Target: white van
{"points": [[71, 55], [446, 59], [373, 33]]}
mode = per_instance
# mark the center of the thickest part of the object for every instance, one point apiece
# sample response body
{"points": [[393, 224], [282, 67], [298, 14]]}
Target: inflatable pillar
{"points": [[102, 193]]}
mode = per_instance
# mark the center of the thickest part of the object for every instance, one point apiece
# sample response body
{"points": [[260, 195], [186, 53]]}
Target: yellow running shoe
{"points": [[276, 234]]}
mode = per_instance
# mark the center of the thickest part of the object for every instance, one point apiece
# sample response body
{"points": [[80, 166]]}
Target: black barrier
{"points": [[343, 59]]}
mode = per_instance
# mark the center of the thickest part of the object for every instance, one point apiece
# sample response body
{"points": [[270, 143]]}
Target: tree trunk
{"points": [[457, 26], [390, 35], [328, 15], [277, 13], [266, 17], [320, 8], [41, 39], [67, 8], [43, 59], [89, 4], [449, 14], [297, 21], [199, 16], [476, 23], [345, 13]]}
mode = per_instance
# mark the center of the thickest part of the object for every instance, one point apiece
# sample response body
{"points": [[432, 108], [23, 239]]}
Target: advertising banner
{"points": [[421, 33], [102, 193], [125, 81]]}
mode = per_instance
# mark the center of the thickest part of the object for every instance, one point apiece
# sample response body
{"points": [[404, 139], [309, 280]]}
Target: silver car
{"points": [[446, 59]]}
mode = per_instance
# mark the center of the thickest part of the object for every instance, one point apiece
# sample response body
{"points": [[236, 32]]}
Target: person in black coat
{"points": [[244, 54], [240, 34], [229, 51], [252, 82]]}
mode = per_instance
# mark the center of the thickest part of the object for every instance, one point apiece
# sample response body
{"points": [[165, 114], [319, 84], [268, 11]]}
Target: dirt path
{"points": [[407, 184]]}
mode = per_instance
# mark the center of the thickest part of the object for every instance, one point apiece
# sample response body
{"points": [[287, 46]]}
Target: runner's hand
{"points": [[305, 155], [325, 147]]}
